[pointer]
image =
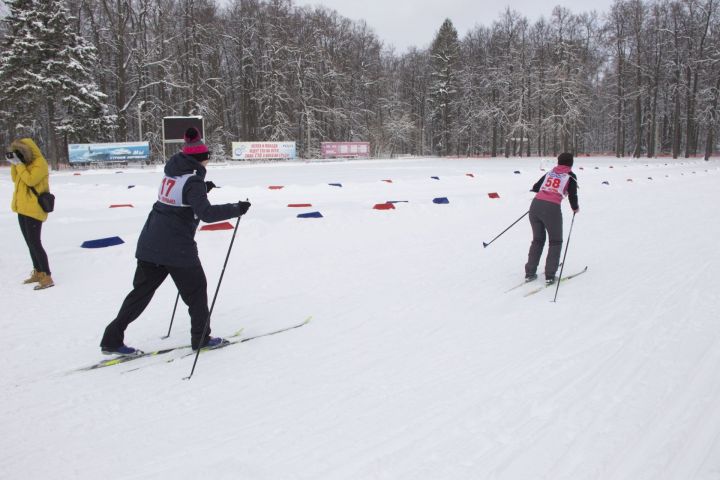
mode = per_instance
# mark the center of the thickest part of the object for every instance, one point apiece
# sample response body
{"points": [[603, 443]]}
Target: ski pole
{"points": [[562, 265], [212, 306], [172, 317], [508, 228]]}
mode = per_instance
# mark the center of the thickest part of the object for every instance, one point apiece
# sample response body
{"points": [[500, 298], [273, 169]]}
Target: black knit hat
{"points": [[565, 159]]}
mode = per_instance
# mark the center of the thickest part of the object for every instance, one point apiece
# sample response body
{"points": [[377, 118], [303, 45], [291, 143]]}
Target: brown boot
{"points": [[45, 281], [34, 277]]}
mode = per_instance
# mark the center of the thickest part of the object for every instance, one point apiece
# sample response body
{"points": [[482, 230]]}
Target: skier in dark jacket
{"points": [[545, 215], [167, 246]]}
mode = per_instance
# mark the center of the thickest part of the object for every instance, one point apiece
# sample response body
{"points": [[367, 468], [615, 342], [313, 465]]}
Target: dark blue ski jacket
{"points": [[168, 237]]}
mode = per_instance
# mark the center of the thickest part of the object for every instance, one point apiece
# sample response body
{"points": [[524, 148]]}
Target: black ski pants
{"points": [[31, 229], [190, 282], [545, 217]]}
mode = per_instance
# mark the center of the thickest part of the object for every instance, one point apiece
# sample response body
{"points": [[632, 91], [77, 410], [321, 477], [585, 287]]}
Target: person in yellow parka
{"points": [[30, 169]]}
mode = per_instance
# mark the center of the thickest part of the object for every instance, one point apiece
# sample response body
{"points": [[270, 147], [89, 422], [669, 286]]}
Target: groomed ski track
{"points": [[416, 365]]}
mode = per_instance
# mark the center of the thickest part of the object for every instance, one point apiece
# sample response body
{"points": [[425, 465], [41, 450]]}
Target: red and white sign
{"points": [[263, 150], [345, 149]]}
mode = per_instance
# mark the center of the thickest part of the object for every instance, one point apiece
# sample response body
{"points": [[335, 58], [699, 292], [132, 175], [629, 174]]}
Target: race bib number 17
{"points": [[171, 189]]}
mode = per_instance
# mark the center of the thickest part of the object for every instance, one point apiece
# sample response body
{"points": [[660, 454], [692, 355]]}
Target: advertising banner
{"points": [[108, 152], [263, 150], [345, 149]]}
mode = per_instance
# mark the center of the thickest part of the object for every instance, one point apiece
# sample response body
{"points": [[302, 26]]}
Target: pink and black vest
{"points": [[555, 185]]}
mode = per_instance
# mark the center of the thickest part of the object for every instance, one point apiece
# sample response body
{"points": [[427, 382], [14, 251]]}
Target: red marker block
{"points": [[384, 206], [470, 175], [388, 181], [299, 205], [217, 226], [493, 195], [276, 187], [120, 205]]}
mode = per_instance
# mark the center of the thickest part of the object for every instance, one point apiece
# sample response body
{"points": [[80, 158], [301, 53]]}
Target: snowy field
{"points": [[416, 364]]}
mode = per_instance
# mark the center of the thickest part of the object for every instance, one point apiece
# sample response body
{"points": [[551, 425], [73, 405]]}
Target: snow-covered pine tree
{"points": [[46, 79], [272, 97], [217, 146], [444, 57]]}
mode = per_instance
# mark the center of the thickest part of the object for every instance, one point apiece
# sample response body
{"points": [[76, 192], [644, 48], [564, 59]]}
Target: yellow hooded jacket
{"points": [[33, 173]]}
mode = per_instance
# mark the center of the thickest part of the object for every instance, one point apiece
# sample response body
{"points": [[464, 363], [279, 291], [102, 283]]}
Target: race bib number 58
{"points": [[555, 182]]}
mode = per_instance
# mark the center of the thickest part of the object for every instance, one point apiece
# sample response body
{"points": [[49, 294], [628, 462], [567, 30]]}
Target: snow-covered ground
{"points": [[416, 364]]}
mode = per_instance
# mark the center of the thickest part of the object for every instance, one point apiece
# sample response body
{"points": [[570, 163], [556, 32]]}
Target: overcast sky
{"points": [[407, 23]]}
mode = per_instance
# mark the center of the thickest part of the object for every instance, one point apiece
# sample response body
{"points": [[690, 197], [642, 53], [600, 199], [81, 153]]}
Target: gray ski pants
{"points": [[545, 216]]}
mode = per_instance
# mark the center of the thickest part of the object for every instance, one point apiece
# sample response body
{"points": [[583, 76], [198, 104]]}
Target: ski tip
{"points": [[485, 245]]}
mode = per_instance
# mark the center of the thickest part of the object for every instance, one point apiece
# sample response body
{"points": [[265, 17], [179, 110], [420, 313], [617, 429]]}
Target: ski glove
{"points": [[209, 186], [244, 207]]}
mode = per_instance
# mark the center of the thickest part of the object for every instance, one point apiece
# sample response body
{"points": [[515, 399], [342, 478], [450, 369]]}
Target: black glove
{"points": [[244, 207], [209, 186]]}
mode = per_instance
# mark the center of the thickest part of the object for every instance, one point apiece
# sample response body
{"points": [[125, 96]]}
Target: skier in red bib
{"points": [[546, 216], [167, 246]]}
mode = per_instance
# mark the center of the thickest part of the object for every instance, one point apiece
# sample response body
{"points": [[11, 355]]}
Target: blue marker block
{"points": [[441, 200], [606, 182], [435, 178], [335, 184], [310, 215], [517, 172], [102, 242], [131, 186]]}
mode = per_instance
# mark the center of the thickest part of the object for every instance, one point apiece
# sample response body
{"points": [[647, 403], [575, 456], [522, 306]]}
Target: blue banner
{"points": [[108, 152]]}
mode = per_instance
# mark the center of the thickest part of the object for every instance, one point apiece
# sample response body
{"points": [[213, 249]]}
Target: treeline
{"points": [[642, 79]]}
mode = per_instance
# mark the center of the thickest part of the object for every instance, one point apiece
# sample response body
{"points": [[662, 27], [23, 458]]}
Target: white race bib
{"points": [[555, 183], [171, 190]]}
